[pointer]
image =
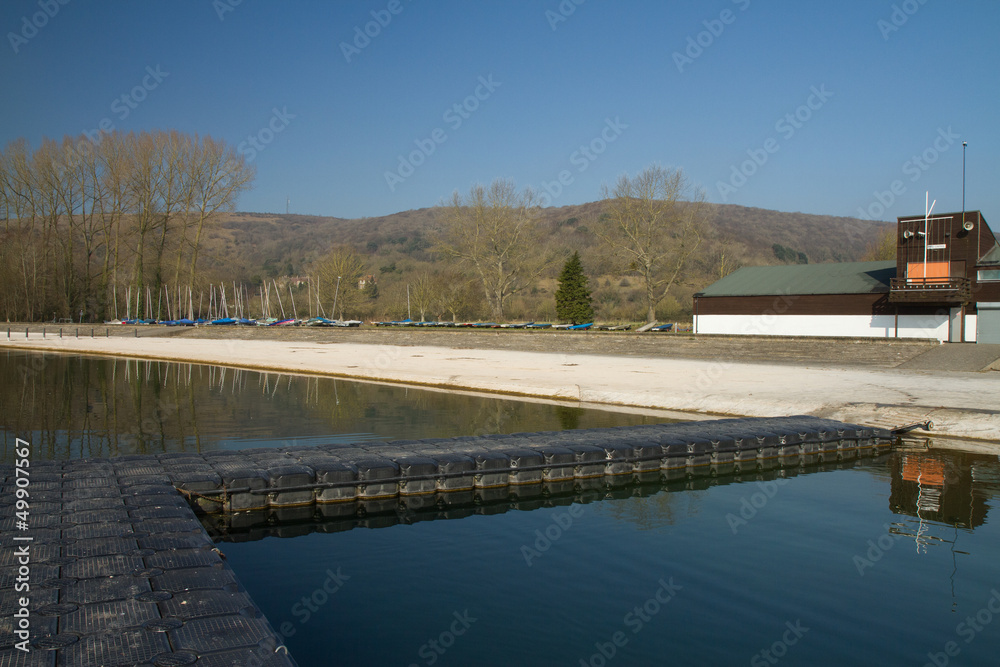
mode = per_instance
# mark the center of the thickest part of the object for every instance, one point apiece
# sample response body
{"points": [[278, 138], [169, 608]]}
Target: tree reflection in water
{"points": [[74, 406]]}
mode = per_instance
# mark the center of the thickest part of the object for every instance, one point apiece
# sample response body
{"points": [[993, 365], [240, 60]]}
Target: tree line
{"points": [[653, 224], [89, 224], [86, 223], [495, 249]]}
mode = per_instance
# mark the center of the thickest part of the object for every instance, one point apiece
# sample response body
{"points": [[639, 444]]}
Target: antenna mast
{"points": [[927, 215]]}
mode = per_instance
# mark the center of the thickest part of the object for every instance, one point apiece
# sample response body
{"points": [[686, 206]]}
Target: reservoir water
{"points": [[887, 561]]}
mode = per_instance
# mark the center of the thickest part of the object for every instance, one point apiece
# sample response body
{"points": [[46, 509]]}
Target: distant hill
{"points": [[399, 246]]}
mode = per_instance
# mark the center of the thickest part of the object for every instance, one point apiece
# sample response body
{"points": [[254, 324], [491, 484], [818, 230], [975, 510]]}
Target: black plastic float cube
{"points": [[617, 458], [559, 463], [377, 478], [646, 456], [791, 457], [456, 472], [525, 466], [492, 470], [675, 453], [285, 476], [590, 460], [418, 475], [723, 450], [699, 453], [745, 458], [239, 483], [343, 475]]}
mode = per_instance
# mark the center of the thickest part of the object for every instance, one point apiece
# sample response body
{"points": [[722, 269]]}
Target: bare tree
{"points": [[92, 192], [882, 248], [423, 291], [494, 232], [143, 187], [456, 293], [653, 222], [46, 182], [83, 217], [727, 256], [174, 154], [219, 175], [19, 250], [338, 273], [113, 164]]}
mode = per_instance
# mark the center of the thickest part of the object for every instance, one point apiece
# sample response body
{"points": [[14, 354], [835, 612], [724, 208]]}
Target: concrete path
{"points": [[957, 357], [961, 404]]}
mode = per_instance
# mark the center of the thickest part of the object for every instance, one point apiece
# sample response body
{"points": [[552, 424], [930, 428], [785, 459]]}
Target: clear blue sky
{"points": [[611, 76]]}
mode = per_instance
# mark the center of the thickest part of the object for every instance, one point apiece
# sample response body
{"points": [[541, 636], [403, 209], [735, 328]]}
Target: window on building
{"points": [[989, 275]]}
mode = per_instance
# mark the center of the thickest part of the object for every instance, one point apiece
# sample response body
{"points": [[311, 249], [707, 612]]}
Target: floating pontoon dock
{"points": [[122, 572]]}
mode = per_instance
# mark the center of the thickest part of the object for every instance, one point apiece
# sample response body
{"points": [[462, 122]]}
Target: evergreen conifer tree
{"points": [[573, 296]]}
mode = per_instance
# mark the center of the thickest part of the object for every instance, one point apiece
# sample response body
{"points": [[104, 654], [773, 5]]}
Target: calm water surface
{"points": [[78, 407], [891, 561]]}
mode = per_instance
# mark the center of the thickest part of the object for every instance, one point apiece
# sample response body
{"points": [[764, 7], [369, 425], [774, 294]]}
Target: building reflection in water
{"points": [[938, 487]]}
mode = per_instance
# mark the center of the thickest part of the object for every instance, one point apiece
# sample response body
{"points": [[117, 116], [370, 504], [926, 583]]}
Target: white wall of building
{"points": [[860, 326], [970, 328]]}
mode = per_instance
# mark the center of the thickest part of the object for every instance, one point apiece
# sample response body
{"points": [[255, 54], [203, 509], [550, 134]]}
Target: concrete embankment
{"points": [[960, 403]]}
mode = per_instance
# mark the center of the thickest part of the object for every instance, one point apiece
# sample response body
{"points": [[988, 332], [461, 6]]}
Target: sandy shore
{"points": [[960, 404]]}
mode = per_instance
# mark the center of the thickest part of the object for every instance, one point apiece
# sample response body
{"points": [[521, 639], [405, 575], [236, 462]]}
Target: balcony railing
{"points": [[930, 289]]}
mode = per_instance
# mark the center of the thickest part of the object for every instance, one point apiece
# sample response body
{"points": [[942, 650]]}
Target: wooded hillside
{"points": [[399, 248]]}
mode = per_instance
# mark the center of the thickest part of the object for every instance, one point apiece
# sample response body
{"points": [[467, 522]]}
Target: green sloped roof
{"points": [[842, 278]]}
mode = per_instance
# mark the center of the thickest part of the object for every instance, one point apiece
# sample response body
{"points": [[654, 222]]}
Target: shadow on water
{"points": [[73, 406]]}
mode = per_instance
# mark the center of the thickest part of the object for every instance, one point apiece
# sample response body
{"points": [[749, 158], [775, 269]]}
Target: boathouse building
{"points": [[943, 284]]}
